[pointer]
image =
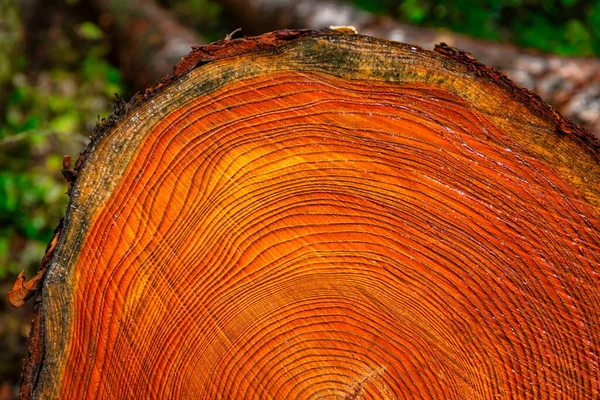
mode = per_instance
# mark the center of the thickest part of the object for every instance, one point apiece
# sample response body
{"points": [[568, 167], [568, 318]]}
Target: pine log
{"points": [[570, 84], [323, 214]]}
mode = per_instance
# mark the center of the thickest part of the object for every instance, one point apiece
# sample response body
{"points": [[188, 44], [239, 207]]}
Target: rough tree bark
{"points": [[325, 214], [570, 85]]}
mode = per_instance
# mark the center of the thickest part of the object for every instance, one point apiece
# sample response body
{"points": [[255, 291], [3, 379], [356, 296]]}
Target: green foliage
{"points": [[48, 112], [27, 213], [10, 38], [377, 7], [568, 27], [90, 31], [205, 16]]}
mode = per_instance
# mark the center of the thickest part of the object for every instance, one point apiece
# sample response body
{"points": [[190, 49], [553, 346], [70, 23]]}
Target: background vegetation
{"points": [[57, 78], [567, 27]]}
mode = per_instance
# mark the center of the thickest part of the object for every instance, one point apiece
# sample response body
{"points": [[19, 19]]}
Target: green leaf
{"points": [[90, 31], [414, 11], [65, 123], [578, 37]]}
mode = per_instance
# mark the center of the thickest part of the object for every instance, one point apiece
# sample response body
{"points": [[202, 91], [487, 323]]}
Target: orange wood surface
{"points": [[320, 214], [298, 235]]}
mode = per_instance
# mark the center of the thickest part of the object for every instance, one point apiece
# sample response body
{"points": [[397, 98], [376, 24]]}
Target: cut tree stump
{"points": [[322, 214]]}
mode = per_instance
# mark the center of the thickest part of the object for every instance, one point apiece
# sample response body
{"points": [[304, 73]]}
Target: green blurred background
{"points": [[566, 27], [58, 76]]}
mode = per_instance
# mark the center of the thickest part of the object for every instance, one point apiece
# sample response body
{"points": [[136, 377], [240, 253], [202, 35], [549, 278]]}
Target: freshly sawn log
{"points": [[322, 214]]}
